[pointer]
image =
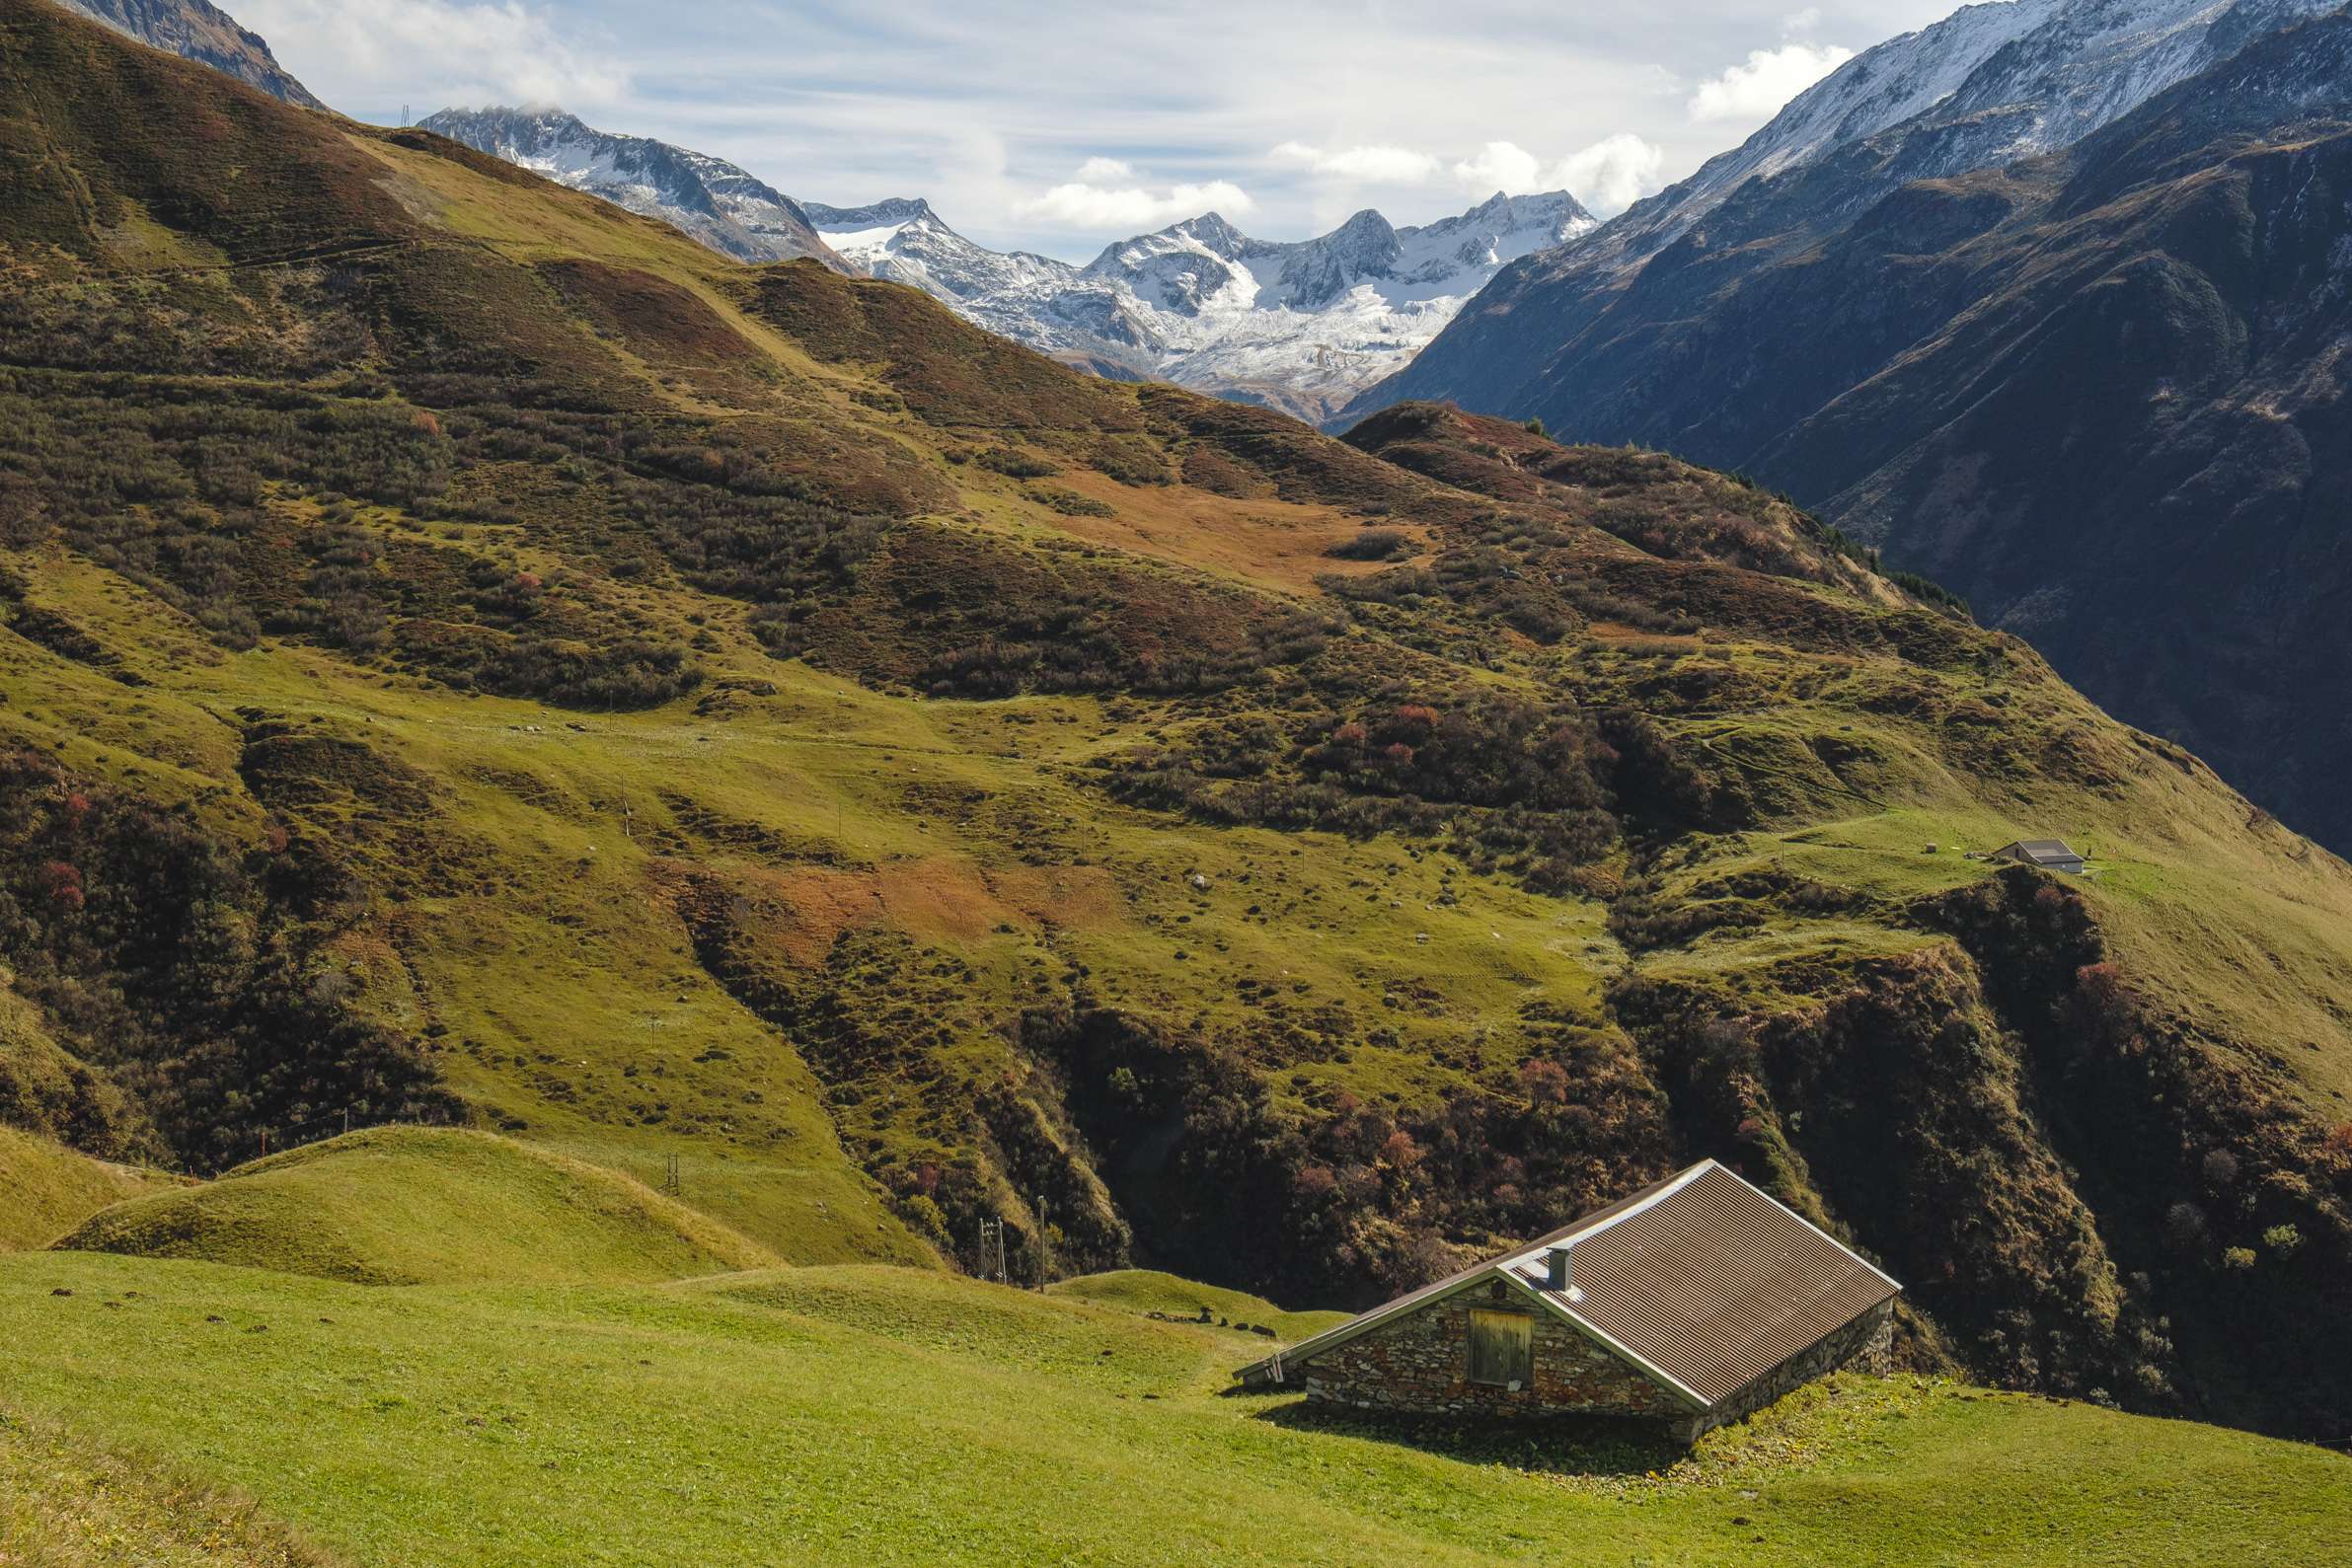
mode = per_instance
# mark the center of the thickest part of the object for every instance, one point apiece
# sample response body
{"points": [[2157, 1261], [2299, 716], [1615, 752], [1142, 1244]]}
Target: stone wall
{"points": [[1862, 1341], [1420, 1363]]}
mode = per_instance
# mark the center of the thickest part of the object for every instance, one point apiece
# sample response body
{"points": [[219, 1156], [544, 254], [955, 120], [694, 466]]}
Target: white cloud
{"points": [[1757, 90], [1376, 165], [1502, 166], [437, 51], [1606, 176], [1093, 201], [1613, 173], [1798, 23]]}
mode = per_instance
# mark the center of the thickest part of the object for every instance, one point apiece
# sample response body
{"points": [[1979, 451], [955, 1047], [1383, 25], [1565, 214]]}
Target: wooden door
{"points": [[1501, 1348]]}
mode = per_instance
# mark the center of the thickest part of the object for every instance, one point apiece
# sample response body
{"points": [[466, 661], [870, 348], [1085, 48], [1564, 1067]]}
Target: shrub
{"points": [[1372, 544], [1069, 502], [1018, 463], [1129, 458]]}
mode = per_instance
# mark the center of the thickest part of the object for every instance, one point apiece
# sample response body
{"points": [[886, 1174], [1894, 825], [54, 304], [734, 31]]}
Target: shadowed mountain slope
{"points": [[2094, 392]]}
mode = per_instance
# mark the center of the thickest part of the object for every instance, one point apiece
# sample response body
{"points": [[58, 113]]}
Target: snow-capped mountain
{"points": [[709, 198], [1299, 325], [1987, 86], [906, 241]]}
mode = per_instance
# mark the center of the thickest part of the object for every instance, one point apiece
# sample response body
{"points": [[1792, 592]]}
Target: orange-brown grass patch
{"points": [[1619, 631], [1280, 545], [937, 898], [1085, 897]]}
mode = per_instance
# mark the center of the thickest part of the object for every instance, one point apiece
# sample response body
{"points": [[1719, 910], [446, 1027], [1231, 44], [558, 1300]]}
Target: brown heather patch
{"points": [[662, 323]]}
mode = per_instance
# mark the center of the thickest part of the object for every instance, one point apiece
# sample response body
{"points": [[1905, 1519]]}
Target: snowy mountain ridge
{"points": [[1299, 325], [1986, 87]]}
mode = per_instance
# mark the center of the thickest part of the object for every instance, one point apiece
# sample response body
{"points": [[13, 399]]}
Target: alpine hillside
{"points": [[469, 655], [2093, 389]]}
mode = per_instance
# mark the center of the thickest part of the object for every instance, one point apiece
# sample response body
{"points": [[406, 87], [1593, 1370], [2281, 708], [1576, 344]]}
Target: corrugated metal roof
{"points": [[1712, 1282], [1701, 1279], [2040, 852]]}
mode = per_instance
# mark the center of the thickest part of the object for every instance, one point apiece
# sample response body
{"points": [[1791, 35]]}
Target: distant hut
{"points": [[1692, 1303], [2051, 855]]}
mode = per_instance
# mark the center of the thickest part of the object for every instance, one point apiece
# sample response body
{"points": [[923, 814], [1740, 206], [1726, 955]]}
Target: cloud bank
{"points": [[1607, 176], [1756, 90], [1106, 198]]}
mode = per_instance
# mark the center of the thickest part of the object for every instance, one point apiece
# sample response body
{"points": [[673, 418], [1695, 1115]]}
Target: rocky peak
{"points": [[195, 30]]}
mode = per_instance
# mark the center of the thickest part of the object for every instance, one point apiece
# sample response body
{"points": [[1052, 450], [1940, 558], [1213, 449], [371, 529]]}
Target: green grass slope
{"points": [[50, 1188], [470, 651], [1149, 1290], [411, 1205], [877, 1415], [68, 1502]]}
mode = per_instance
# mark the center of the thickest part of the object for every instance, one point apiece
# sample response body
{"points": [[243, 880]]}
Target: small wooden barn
{"points": [[1691, 1302], [2051, 855]]}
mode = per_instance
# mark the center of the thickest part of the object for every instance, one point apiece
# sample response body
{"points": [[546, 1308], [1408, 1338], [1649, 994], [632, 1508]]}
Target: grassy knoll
{"points": [[864, 1414], [1152, 1290], [50, 1189], [408, 1205]]}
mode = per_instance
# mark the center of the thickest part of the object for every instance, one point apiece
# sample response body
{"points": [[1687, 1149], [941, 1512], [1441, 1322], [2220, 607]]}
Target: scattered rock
{"points": [[60, 1290]]}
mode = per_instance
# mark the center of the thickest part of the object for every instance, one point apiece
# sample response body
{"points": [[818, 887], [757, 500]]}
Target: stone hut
{"points": [[1692, 1303], [2050, 854]]}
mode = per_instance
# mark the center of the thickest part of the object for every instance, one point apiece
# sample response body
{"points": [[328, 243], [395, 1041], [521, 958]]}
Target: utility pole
{"points": [[1044, 1243]]}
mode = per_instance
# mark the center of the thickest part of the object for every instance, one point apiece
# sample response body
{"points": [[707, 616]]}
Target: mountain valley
{"points": [[603, 845]]}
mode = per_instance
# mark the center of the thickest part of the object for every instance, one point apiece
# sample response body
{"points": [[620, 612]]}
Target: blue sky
{"points": [[1058, 126]]}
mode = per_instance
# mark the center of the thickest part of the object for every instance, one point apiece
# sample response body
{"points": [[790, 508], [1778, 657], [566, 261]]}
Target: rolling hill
{"points": [[411, 1205], [472, 653]]}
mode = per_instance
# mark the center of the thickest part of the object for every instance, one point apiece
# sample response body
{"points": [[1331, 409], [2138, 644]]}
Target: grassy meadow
{"points": [[873, 1415]]}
